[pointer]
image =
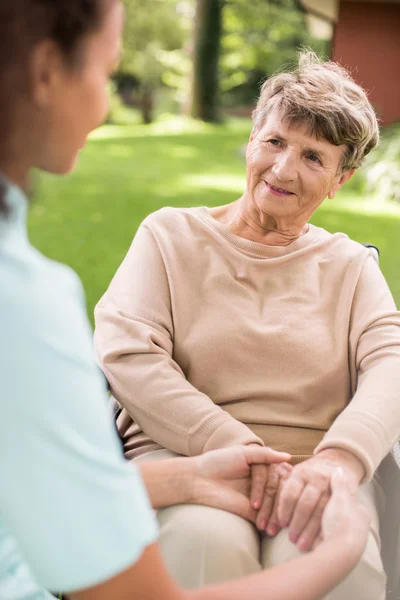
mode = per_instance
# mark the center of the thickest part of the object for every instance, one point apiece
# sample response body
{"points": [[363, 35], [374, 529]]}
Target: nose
{"points": [[285, 166]]}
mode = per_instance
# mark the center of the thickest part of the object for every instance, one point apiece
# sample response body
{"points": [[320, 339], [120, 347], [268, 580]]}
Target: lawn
{"points": [[89, 218]]}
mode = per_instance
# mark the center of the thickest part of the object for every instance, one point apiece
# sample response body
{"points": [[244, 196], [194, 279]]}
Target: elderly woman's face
{"points": [[289, 171]]}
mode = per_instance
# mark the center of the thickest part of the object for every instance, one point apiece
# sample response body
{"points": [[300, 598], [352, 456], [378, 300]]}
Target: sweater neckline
{"points": [[254, 248]]}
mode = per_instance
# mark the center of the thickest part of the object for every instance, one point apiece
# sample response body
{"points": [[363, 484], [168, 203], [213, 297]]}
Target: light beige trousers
{"points": [[203, 545]]}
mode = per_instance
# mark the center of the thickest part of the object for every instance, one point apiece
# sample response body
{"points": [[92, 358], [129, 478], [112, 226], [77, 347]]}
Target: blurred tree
{"points": [[206, 51], [154, 29], [259, 38], [209, 52]]}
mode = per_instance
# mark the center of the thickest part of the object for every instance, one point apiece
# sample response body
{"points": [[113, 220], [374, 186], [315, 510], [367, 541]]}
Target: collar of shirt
{"points": [[16, 217]]}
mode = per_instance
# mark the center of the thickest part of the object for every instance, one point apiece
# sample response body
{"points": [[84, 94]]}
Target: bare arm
{"points": [[310, 577], [220, 478]]}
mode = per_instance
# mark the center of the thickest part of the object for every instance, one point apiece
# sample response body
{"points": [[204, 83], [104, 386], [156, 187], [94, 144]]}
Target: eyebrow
{"points": [[277, 136]]}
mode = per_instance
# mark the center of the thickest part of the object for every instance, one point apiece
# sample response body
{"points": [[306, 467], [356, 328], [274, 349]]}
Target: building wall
{"points": [[367, 39]]}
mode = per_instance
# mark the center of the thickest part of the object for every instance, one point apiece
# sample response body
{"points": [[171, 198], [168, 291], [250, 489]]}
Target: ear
{"points": [[340, 181], [46, 70]]}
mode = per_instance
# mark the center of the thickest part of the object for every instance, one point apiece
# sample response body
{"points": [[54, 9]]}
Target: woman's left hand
{"points": [[306, 492]]}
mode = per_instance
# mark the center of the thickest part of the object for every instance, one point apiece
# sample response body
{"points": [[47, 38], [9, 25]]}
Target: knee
{"points": [[200, 529], [202, 545], [368, 579]]}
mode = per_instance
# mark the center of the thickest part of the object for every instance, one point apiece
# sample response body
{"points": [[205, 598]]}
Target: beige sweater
{"points": [[209, 340]]}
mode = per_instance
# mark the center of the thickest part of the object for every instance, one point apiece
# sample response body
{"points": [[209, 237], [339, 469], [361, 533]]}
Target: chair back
{"points": [[389, 473]]}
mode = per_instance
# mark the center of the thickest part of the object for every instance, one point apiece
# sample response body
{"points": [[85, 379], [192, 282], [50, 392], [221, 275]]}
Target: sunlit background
{"points": [[180, 118]]}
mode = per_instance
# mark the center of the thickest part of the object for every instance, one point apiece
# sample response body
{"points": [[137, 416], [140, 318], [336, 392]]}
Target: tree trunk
{"points": [[147, 103], [207, 42]]}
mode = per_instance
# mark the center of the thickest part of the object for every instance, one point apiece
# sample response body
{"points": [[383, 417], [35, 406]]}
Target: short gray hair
{"points": [[324, 97]]}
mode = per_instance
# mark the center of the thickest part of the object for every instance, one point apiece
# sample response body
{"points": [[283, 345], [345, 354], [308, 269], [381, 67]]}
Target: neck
{"points": [[247, 221], [15, 174]]}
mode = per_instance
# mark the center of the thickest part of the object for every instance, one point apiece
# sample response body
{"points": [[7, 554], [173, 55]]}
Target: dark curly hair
{"points": [[25, 23]]}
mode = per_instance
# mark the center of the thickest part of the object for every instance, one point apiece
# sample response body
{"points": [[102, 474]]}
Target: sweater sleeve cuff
{"points": [[358, 436], [231, 433]]}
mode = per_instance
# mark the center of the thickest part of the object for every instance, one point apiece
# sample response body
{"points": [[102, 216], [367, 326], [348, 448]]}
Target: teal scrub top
{"points": [[73, 512]]}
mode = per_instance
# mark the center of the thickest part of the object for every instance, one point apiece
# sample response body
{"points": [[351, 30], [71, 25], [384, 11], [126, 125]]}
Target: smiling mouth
{"points": [[278, 191]]}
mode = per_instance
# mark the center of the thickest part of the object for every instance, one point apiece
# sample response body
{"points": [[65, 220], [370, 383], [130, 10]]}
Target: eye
{"points": [[274, 142], [314, 158]]}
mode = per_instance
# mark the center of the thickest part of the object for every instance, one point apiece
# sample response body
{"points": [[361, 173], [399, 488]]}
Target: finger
{"points": [[270, 492], [259, 455], [291, 491], [312, 530], [259, 477], [234, 502], [273, 527], [303, 511], [318, 540]]}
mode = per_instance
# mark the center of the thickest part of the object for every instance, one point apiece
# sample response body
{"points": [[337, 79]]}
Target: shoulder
{"points": [[339, 247], [172, 220], [25, 271], [40, 299], [172, 232]]}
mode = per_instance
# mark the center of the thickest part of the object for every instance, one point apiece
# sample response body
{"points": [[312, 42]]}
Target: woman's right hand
{"points": [[344, 516]]}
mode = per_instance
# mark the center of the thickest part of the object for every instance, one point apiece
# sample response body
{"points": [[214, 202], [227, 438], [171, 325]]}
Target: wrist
{"points": [[346, 459], [197, 480], [169, 482], [188, 479], [346, 549]]}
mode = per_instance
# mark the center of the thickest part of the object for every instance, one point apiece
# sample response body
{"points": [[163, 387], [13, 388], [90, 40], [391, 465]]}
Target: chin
{"points": [[63, 166], [64, 169]]}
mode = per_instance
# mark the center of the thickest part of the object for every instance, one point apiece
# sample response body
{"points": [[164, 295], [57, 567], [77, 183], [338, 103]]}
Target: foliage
{"points": [[382, 169], [260, 37], [151, 27], [88, 219], [115, 102], [155, 31]]}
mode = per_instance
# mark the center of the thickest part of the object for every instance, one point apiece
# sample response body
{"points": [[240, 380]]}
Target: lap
{"points": [[203, 545], [198, 520]]}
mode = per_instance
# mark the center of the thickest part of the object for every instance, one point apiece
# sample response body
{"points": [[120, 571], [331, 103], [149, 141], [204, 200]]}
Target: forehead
{"points": [[108, 39], [298, 133]]}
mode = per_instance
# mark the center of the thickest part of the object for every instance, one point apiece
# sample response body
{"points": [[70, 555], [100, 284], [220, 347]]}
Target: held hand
{"points": [[344, 517], [269, 485], [307, 491], [223, 477]]}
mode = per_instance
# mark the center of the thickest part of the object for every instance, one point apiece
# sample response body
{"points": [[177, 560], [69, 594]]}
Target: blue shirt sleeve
{"points": [[17, 581], [78, 511]]}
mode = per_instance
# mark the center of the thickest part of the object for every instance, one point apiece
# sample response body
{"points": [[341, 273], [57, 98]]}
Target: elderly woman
{"points": [[245, 324]]}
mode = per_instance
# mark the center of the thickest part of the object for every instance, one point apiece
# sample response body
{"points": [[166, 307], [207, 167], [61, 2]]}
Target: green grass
{"points": [[88, 219]]}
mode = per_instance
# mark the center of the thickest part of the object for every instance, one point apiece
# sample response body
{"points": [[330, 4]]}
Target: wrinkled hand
{"points": [[266, 486], [223, 477], [344, 517], [307, 490]]}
